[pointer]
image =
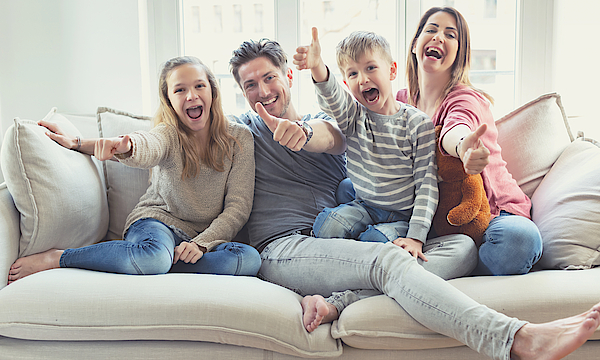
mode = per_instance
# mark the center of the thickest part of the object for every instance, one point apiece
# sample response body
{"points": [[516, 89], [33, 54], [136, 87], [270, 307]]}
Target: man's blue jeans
{"points": [[310, 266], [148, 249]]}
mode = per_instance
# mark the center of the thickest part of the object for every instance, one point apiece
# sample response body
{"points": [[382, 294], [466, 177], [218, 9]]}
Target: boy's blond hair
{"points": [[359, 43]]}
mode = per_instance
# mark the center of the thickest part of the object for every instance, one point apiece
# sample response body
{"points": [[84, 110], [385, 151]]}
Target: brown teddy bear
{"points": [[463, 206]]}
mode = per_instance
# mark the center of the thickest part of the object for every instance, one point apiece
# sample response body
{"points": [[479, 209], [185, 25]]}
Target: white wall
{"points": [[72, 54], [575, 57]]}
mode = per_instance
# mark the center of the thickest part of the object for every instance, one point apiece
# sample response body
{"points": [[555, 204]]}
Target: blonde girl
{"points": [[200, 195]]}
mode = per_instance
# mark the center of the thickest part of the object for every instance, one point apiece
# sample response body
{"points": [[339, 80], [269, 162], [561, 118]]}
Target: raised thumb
{"points": [[269, 120]]}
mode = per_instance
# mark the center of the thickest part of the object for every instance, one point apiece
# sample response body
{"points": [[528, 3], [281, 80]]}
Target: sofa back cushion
{"points": [[532, 137], [566, 209], [124, 185], [58, 192]]}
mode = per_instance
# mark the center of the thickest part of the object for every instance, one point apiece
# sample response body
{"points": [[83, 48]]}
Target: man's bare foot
{"points": [[31, 264], [316, 311], [557, 339]]}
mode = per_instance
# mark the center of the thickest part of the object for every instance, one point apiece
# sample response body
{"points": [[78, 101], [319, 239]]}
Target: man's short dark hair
{"points": [[250, 50]]}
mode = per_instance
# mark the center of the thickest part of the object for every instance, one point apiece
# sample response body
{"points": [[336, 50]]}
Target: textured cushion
{"points": [[532, 137], [58, 192], [100, 306], [124, 185], [380, 323], [566, 209]]}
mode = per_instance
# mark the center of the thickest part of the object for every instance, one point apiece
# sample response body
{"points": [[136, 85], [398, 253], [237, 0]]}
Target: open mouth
{"points": [[269, 102], [371, 95], [195, 112], [434, 53]]}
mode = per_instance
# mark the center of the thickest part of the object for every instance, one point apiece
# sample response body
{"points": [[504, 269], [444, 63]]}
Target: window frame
{"points": [[161, 22]]}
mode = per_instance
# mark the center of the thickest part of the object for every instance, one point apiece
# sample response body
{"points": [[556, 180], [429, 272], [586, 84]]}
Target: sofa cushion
{"points": [[80, 305], [380, 323], [124, 185], [58, 192], [566, 209], [532, 137]]}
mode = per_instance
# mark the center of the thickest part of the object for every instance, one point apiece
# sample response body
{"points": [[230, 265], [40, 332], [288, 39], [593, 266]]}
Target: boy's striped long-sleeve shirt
{"points": [[391, 159]]}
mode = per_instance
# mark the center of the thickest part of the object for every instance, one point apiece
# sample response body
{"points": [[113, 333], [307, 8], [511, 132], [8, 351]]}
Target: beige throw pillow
{"points": [[58, 192], [532, 137], [124, 185]]}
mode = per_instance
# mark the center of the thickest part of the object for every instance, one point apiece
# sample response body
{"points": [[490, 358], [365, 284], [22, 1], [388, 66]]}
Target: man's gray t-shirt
{"points": [[291, 188]]}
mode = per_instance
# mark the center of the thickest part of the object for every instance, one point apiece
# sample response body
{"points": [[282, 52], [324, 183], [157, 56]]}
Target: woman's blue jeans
{"points": [[512, 244], [148, 249]]}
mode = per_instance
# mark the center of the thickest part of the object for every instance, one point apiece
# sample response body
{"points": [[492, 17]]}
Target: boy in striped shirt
{"points": [[391, 147]]}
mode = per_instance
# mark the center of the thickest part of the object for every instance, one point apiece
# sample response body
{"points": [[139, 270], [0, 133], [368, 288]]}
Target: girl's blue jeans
{"points": [[148, 249]]}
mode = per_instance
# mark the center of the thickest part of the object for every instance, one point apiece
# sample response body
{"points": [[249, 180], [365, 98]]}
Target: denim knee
{"points": [[374, 234], [511, 246], [151, 259], [151, 246], [328, 224], [249, 259], [345, 192]]}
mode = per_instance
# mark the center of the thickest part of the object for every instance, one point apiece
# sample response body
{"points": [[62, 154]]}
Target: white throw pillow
{"points": [[58, 192], [532, 137], [124, 185], [566, 209]]}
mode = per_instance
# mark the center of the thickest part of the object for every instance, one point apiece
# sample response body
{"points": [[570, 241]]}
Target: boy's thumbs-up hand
{"points": [[309, 57], [286, 132]]}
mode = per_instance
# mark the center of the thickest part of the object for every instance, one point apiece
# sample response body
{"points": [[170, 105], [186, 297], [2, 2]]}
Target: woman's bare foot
{"points": [[31, 264], [556, 339], [317, 311]]}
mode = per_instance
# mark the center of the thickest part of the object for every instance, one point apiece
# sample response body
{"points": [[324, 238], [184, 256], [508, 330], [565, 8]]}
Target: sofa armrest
{"points": [[9, 233]]}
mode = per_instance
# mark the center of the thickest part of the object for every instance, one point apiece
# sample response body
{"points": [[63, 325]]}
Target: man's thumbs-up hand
{"points": [[287, 133]]}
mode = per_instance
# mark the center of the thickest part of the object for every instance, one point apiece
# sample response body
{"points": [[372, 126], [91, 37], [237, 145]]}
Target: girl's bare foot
{"points": [[31, 264], [555, 340], [316, 311]]}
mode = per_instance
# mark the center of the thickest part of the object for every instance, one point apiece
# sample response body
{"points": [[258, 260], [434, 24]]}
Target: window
{"points": [[218, 18], [195, 20], [492, 24], [224, 24], [258, 18], [335, 19], [237, 18]]}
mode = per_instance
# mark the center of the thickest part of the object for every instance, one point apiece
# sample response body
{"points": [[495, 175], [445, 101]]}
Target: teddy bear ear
{"points": [[438, 130]]}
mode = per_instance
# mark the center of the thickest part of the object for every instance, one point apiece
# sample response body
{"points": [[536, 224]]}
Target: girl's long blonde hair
{"points": [[462, 63], [219, 142]]}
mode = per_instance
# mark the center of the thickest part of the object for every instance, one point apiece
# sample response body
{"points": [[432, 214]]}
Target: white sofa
{"points": [[54, 197]]}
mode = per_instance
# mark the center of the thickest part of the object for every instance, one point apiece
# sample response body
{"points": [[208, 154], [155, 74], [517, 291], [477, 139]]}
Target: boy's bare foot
{"points": [[316, 311], [555, 340], [31, 264]]}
